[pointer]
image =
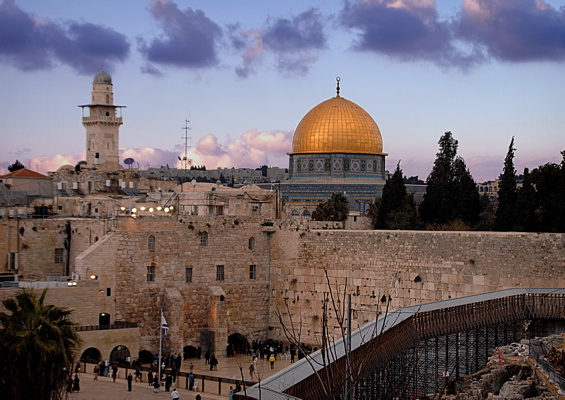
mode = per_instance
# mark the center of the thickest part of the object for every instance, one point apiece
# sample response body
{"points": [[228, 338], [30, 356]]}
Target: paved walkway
{"points": [[106, 389]]}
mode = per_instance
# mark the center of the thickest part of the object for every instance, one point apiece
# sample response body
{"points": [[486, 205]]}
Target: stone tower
{"points": [[102, 124]]}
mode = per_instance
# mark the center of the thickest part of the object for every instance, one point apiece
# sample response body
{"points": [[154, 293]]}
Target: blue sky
{"points": [[246, 72]]}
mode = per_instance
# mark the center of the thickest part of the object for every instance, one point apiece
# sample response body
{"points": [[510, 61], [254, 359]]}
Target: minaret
{"points": [[102, 124]]}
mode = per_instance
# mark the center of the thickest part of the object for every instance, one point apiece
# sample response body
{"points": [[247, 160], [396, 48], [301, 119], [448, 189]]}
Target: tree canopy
{"points": [[396, 209], [507, 192], [334, 209], [38, 346], [15, 166], [451, 192]]}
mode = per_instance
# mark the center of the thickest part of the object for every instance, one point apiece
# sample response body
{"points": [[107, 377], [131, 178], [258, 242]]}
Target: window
{"points": [[219, 272], [251, 243], [59, 254], [252, 272], [188, 274], [13, 261], [151, 243], [204, 239], [150, 274]]}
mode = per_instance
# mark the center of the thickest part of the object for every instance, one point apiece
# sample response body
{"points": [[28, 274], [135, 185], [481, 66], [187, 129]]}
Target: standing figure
{"points": [[156, 384], [138, 375], [130, 379], [96, 371], [150, 377], [114, 373], [190, 381], [272, 361], [76, 384], [207, 357], [230, 393], [168, 382]]}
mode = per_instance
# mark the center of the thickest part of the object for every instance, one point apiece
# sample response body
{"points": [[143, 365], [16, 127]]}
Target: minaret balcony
{"points": [[102, 118]]}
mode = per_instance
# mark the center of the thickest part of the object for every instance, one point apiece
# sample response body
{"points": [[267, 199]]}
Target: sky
{"points": [[244, 73]]}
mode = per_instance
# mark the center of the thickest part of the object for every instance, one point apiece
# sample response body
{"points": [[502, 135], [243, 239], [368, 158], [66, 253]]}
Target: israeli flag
{"points": [[164, 324]]}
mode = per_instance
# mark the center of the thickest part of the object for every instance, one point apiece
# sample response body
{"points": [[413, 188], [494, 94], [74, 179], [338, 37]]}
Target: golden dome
{"points": [[337, 125]]}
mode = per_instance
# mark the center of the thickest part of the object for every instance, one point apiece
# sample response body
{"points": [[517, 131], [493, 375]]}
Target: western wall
{"points": [[401, 268], [383, 269]]}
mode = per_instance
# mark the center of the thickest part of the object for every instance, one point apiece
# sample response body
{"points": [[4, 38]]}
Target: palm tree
{"points": [[38, 345]]}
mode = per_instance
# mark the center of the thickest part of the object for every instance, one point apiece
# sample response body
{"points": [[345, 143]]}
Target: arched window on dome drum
{"points": [[295, 213], [251, 244], [306, 213], [151, 243]]}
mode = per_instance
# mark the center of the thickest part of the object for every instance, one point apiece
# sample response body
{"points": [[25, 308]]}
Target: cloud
{"points": [[29, 43], [406, 30], [189, 38], [293, 43], [251, 150], [514, 30]]}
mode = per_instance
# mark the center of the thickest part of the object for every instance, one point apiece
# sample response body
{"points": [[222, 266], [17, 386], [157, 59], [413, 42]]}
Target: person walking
{"points": [[114, 373], [96, 371], [130, 379], [138, 376], [156, 384], [251, 370], [175, 395], [272, 361]]}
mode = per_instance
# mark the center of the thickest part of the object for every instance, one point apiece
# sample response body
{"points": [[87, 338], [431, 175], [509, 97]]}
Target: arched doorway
{"points": [[145, 357], [91, 355], [119, 354], [238, 343], [189, 352], [104, 319]]}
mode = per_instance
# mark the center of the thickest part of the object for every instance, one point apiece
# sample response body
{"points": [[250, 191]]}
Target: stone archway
{"points": [[238, 343], [145, 357], [91, 355], [189, 352], [119, 354]]}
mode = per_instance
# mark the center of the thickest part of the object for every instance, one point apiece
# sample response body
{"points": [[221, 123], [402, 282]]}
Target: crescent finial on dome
{"points": [[337, 88]]}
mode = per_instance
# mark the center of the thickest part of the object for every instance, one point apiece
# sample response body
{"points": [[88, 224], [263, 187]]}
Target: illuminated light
{"points": [[122, 208], [166, 209], [93, 276], [151, 209], [71, 284], [134, 210], [171, 208], [159, 208], [142, 208]]}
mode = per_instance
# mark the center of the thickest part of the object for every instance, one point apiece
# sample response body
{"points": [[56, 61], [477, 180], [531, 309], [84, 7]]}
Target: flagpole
{"points": [[160, 345]]}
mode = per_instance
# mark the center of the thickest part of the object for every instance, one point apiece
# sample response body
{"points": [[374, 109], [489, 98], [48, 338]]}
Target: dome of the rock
{"points": [[337, 125]]}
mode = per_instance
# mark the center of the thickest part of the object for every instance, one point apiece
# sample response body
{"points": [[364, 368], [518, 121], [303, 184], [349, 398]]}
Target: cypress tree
{"points": [[525, 211], [394, 193], [507, 192], [438, 203]]}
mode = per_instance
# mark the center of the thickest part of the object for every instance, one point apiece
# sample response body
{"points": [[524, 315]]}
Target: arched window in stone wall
{"points": [[151, 243], [251, 244], [306, 213], [204, 239], [295, 213]]}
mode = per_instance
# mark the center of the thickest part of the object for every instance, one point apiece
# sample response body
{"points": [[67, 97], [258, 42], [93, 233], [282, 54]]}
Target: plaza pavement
{"points": [[106, 389]]}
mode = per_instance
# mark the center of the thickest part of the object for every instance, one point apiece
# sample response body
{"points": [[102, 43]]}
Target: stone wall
{"points": [[205, 307], [35, 241], [411, 267]]}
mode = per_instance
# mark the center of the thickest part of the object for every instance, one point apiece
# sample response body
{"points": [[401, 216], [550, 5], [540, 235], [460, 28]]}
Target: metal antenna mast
{"points": [[187, 137]]}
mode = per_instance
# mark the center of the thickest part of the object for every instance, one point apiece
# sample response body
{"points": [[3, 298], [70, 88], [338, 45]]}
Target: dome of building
{"points": [[337, 125], [102, 78]]}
